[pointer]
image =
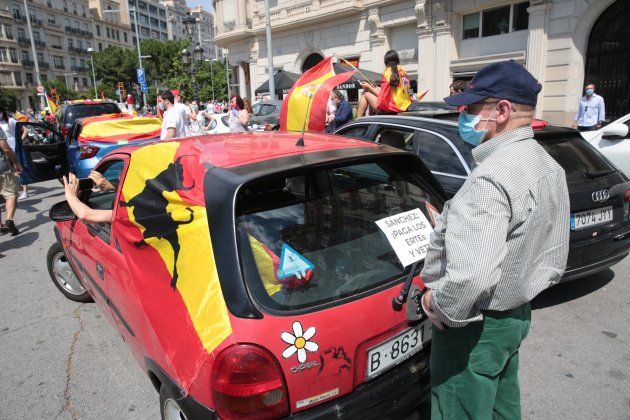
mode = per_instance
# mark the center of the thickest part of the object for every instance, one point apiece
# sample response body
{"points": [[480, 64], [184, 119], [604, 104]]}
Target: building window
{"points": [[144, 19], [144, 31], [142, 5], [520, 19], [154, 22], [100, 46], [108, 33], [496, 21], [6, 79], [13, 55], [125, 36], [155, 34], [153, 10], [8, 32], [58, 62], [29, 78], [162, 14], [4, 58], [70, 44], [117, 34], [51, 19], [162, 25], [18, 78], [98, 30], [164, 36]]}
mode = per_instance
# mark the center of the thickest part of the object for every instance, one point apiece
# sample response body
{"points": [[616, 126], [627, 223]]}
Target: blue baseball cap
{"points": [[503, 80]]}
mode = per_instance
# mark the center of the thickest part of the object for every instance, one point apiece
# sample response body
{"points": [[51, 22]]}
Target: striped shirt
{"points": [[504, 237]]}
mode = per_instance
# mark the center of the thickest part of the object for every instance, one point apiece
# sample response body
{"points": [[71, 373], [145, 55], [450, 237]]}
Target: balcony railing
{"points": [[43, 65], [24, 40], [9, 36], [229, 25], [60, 66], [40, 43], [79, 68], [57, 47], [28, 63], [77, 50]]}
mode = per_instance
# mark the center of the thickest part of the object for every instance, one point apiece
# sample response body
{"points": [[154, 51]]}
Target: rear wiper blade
{"points": [[597, 174]]}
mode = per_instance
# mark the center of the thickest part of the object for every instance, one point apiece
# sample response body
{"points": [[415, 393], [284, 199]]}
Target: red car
{"points": [[253, 277]]}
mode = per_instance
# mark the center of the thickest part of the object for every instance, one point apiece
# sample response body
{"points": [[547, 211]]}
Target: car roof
{"points": [[238, 149]]}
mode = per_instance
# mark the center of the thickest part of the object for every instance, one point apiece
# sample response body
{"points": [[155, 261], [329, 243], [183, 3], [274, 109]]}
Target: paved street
{"points": [[63, 360]]}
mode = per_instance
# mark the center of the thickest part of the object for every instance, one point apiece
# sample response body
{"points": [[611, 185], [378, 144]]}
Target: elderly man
{"points": [[501, 240]]}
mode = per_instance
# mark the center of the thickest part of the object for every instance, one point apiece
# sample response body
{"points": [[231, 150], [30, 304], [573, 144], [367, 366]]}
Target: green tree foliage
{"points": [[8, 99], [64, 93], [164, 69]]}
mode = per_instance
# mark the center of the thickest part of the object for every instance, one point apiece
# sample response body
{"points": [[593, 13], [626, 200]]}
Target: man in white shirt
{"points": [[173, 124], [188, 115]]}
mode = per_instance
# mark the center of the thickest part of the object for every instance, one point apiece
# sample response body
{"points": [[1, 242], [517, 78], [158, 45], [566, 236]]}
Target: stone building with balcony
{"points": [[564, 43], [62, 31]]}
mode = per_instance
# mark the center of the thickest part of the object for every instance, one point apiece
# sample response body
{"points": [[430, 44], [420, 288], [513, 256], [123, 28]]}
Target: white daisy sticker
{"points": [[300, 342]]}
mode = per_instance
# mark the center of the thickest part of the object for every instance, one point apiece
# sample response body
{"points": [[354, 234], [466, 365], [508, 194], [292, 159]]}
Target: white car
{"points": [[613, 141], [219, 124]]}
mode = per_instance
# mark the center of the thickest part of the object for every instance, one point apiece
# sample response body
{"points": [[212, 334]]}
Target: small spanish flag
{"points": [[20, 117], [305, 106], [52, 104]]}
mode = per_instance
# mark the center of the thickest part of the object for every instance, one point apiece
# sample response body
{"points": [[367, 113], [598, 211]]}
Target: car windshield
{"points": [[84, 110], [312, 239], [576, 156]]}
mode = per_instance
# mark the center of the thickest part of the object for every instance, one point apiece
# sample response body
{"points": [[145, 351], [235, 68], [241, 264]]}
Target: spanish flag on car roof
{"points": [[305, 106], [52, 104]]}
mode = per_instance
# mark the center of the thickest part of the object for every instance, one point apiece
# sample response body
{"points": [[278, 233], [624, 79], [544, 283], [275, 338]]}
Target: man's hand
{"points": [[18, 168], [428, 309]]}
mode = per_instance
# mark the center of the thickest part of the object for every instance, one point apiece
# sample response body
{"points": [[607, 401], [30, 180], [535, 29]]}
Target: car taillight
{"points": [[247, 383], [87, 152]]}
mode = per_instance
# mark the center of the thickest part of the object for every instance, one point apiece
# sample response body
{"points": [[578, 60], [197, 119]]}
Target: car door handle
{"points": [[99, 270]]}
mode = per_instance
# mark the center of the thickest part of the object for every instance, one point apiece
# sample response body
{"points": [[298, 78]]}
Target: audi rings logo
{"points": [[600, 196]]}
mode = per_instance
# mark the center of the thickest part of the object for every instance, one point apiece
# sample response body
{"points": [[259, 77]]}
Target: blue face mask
{"points": [[467, 131], [161, 105], [589, 92]]}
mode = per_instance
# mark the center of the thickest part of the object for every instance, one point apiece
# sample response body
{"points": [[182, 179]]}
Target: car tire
{"points": [[63, 276], [169, 409]]}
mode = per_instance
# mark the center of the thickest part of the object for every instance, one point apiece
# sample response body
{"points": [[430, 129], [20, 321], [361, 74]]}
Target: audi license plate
{"points": [[397, 349], [593, 217]]}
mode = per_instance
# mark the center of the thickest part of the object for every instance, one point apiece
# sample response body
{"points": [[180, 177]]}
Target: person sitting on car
{"points": [[80, 209]]}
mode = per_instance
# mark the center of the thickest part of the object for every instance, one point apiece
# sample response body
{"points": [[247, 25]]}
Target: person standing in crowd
{"points": [[591, 112], [238, 116], [247, 106], [7, 124], [174, 125], [331, 108], [393, 94], [343, 114], [458, 86], [490, 254], [187, 114], [9, 171]]}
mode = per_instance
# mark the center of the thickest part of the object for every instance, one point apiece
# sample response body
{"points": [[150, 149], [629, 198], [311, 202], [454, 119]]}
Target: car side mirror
{"points": [[61, 212], [615, 132]]}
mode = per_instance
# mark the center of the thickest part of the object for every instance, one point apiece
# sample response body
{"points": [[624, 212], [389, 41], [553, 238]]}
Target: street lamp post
{"points": [[195, 54], [91, 52], [211, 75], [135, 19]]}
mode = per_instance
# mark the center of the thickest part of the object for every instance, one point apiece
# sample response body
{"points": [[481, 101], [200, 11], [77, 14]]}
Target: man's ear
{"points": [[504, 110]]}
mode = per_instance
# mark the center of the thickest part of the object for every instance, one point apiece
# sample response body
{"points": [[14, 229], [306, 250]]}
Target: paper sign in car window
{"points": [[408, 233], [292, 263]]}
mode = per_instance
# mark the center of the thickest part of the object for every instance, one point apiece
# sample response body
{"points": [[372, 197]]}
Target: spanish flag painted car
{"points": [[254, 276], [86, 143]]}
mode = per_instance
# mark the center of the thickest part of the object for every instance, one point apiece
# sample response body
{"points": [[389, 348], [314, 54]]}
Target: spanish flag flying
{"points": [[305, 106], [394, 98], [52, 104]]}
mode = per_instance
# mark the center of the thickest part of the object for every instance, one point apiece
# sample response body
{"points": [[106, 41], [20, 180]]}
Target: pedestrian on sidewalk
{"points": [[9, 182], [490, 253], [591, 112]]}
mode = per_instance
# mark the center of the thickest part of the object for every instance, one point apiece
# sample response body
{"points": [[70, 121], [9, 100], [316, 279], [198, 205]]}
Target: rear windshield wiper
{"points": [[597, 174]]}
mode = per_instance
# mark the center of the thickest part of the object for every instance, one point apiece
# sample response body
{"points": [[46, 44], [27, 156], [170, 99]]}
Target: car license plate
{"points": [[397, 349], [593, 217]]}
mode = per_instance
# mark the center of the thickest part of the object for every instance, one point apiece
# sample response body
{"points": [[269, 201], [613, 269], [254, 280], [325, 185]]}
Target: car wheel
{"points": [[63, 276], [169, 409]]}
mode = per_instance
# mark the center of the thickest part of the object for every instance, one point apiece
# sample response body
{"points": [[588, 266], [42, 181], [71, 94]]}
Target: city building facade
{"points": [[563, 43]]}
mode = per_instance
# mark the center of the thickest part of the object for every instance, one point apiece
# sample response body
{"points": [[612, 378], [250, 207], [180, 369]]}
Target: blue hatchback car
{"points": [[45, 153]]}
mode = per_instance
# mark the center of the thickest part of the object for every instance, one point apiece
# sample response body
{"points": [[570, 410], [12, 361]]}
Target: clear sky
{"points": [[207, 4]]}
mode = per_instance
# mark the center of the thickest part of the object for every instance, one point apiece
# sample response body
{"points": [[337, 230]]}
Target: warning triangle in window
{"points": [[292, 263]]}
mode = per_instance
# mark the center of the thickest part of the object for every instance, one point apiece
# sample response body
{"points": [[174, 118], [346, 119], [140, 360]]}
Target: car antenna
{"points": [[300, 142], [398, 301]]}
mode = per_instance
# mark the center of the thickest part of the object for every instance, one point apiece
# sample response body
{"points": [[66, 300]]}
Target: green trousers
{"points": [[474, 369]]}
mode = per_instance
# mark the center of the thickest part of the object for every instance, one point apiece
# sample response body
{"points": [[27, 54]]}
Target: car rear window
{"points": [[326, 220], [575, 155], [84, 110]]}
